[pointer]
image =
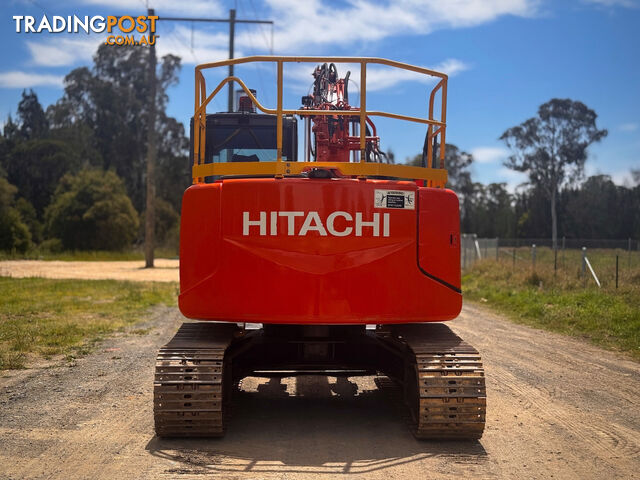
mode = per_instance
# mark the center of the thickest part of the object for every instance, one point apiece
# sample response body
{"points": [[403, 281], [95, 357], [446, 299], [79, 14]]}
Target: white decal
{"points": [[402, 199], [375, 224], [317, 225], [331, 218], [246, 223], [314, 223]]}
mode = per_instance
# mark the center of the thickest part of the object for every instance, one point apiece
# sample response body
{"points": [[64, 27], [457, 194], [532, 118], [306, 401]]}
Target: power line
{"points": [[255, 67], [184, 41], [176, 37], [36, 4], [214, 20], [266, 41], [232, 20]]}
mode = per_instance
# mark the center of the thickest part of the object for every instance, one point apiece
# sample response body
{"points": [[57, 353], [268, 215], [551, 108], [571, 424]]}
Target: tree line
{"points": [[594, 208], [72, 177]]}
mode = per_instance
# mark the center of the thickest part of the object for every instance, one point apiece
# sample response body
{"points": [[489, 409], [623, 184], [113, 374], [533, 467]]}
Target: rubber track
{"points": [[189, 377], [450, 384]]}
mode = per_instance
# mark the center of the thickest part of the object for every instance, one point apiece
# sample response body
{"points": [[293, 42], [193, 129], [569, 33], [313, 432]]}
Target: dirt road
{"points": [[558, 408], [166, 270]]}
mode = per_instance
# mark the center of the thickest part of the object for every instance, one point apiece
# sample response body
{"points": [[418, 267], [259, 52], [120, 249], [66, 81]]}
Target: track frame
{"points": [[441, 376]]}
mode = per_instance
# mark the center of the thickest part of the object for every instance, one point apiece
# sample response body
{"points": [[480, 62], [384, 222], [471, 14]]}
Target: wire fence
{"points": [[473, 249], [600, 262], [629, 244]]}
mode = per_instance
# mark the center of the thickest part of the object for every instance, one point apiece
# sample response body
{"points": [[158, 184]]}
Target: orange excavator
{"points": [[339, 263]]}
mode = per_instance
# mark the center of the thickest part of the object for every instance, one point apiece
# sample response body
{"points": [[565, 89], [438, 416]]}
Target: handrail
{"points": [[442, 84], [436, 177]]}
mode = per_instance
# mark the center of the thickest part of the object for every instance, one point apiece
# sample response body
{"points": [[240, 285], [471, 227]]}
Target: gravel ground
{"points": [[165, 270], [557, 408]]}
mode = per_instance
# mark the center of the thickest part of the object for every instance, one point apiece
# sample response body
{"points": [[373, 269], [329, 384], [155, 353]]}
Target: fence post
{"points": [[514, 258], [533, 256], [584, 265], [497, 246], [563, 251], [593, 273], [629, 252], [555, 261], [616, 271]]}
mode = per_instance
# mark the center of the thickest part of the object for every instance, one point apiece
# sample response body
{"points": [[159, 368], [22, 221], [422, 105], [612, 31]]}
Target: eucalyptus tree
{"points": [[551, 148]]}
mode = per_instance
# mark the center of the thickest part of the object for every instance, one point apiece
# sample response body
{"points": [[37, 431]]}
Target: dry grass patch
{"points": [[45, 317]]}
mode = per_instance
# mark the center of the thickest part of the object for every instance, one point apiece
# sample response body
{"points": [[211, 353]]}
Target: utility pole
{"points": [[232, 34], [149, 223], [150, 214]]}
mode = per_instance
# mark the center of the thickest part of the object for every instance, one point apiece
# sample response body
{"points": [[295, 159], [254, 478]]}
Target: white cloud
{"points": [[311, 23], [17, 79], [207, 46], [451, 67], [203, 8], [69, 51], [489, 154], [63, 51], [620, 177], [378, 77], [629, 127], [512, 178], [59, 51]]}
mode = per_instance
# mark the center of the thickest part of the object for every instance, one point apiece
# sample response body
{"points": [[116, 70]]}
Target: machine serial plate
{"points": [[403, 199]]}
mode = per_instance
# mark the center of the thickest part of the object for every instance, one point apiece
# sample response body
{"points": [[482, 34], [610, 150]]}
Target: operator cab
{"points": [[247, 136]]}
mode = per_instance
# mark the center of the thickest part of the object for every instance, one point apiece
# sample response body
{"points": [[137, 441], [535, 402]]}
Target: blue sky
{"points": [[504, 58]]}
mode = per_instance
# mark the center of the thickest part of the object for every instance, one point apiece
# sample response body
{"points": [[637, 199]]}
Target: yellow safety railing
{"points": [[435, 177]]}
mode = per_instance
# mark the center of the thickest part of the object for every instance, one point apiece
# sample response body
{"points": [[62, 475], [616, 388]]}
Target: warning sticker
{"points": [[395, 199]]}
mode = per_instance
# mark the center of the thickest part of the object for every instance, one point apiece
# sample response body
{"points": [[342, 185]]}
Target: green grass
{"points": [[84, 256], [43, 317], [607, 316]]}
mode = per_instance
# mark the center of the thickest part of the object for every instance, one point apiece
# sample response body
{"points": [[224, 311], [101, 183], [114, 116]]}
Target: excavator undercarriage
{"points": [[440, 375]]}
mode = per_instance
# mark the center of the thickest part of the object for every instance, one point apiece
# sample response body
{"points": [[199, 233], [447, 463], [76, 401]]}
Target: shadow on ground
{"points": [[312, 425]]}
